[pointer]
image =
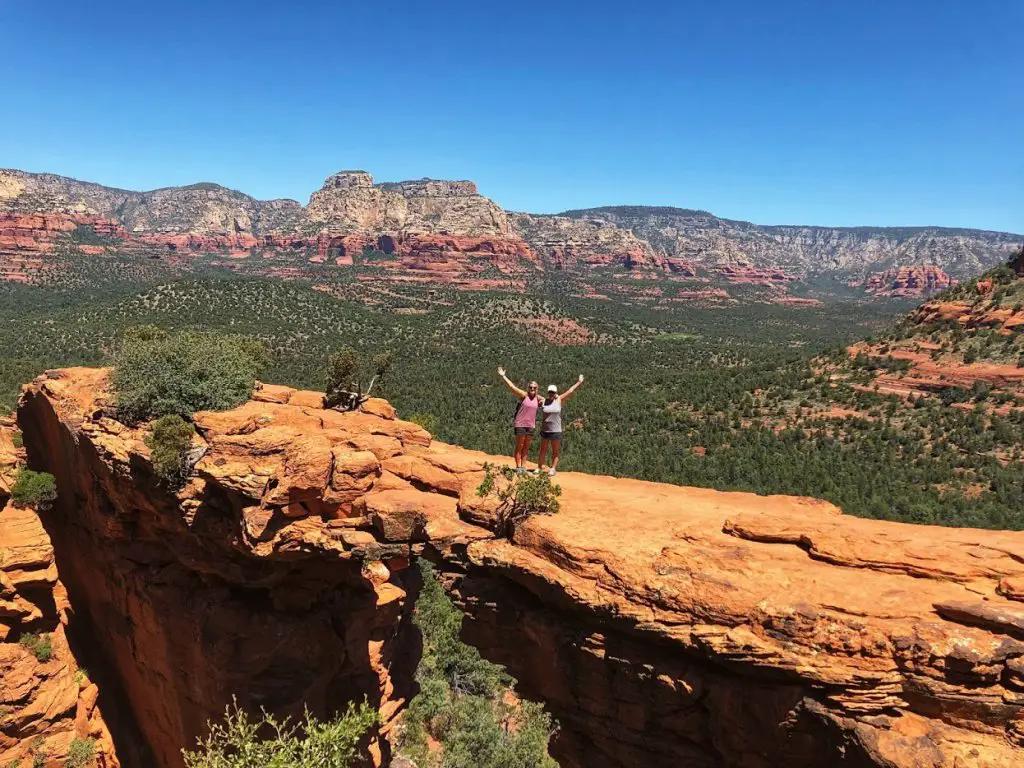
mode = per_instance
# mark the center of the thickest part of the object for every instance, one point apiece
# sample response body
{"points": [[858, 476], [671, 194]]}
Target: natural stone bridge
{"points": [[662, 626]]}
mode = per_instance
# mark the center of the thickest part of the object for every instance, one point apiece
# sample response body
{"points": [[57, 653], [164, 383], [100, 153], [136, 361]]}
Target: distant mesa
{"points": [[349, 180], [471, 232]]}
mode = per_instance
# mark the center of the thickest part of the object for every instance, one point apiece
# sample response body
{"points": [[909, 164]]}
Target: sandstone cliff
{"points": [[663, 626], [441, 227], [47, 702], [950, 343], [918, 281], [806, 251], [349, 200], [447, 227]]}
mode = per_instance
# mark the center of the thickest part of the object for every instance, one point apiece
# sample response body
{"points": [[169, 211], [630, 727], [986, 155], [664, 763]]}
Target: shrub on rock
{"points": [[33, 489], [157, 373], [169, 443], [39, 645], [344, 378], [240, 742], [80, 753], [520, 496]]}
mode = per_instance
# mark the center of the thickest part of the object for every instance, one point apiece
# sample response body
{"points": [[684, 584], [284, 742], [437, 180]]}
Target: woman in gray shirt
{"points": [[551, 426]]}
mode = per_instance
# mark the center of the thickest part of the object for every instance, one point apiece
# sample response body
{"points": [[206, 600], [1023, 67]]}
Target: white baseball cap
{"points": [[552, 388]]}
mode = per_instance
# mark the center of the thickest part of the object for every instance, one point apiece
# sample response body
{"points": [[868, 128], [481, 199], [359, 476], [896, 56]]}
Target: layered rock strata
{"points": [[422, 225], [701, 237], [663, 626], [917, 281], [47, 702], [466, 231]]}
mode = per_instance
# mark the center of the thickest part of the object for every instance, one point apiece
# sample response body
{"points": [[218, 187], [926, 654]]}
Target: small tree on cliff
{"points": [[240, 742], [344, 380], [157, 373], [520, 496], [35, 489], [170, 442]]}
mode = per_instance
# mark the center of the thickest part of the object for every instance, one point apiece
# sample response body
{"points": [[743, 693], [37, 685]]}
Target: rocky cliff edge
{"points": [[662, 625]]}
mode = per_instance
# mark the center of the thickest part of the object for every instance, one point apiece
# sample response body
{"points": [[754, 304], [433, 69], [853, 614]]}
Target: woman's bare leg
{"points": [[543, 452], [527, 439], [517, 454], [556, 446]]}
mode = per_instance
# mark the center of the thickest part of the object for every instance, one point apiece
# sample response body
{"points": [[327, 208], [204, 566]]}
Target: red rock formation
{"points": [[751, 275], [664, 626], [27, 241], [920, 281], [46, 703], [926, 376], [233, 587], [27, 246], [1003, 320]]}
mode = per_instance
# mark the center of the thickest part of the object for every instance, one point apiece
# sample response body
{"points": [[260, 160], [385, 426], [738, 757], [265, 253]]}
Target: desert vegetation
{"points": [[32, 488], [520, 496], [739, 396], [169, 442], [157, 373], [466, 714], [240, 741]]}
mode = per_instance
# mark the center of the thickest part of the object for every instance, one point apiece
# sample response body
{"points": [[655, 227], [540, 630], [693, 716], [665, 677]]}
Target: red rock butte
{"points": [[446, 232], [662, 625]]}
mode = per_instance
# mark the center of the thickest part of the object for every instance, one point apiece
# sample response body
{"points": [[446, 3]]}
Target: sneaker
{"points": [[520, 470], [537, 470], [551, 472]]}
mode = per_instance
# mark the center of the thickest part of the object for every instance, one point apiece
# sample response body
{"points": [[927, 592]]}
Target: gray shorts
{"points": [[520, 431], [555, 437]]}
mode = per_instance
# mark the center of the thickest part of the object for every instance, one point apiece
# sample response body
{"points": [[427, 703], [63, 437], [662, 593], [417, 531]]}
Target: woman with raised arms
{"points": [[551, 426], [525, 421]]}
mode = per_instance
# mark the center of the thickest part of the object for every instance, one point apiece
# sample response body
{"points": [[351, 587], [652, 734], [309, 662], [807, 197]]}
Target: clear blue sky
{"points": [[816, 112]]}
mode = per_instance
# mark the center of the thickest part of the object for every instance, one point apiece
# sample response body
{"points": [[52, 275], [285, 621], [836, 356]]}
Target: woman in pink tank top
{"points": [[525, 422]]}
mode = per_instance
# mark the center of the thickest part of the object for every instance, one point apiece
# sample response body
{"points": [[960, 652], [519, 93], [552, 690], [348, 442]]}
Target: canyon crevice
{"points": [[662, 626]]}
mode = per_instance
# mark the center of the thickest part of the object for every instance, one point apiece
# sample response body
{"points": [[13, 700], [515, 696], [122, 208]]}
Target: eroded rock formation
{"points": [[701, 237], [917, 281], [47, 701], [663, 626], [463, 231]]}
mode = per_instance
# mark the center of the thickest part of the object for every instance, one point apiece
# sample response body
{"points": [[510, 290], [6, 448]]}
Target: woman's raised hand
{"points": [[581, 378], [501, 371]]}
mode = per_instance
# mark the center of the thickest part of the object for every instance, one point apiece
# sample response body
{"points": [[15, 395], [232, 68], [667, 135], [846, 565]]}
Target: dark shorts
{"points": [[523, 431], [555, 437]]}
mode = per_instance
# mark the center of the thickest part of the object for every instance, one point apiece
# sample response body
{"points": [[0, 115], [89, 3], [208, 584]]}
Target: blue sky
{"points": [[885, 113]]}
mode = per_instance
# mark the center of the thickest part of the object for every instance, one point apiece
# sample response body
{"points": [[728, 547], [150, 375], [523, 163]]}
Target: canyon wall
{"points": [[48, 704], [663, 626], [853, 252], [918, 281]]}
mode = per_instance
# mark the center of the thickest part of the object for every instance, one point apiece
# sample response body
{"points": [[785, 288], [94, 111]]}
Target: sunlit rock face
{"points": [[47, 700], [662, 625], [472, 233]]}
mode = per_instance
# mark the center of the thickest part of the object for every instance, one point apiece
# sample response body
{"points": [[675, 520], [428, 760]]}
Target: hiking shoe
{"points": [[520, 470], [551, 473]]}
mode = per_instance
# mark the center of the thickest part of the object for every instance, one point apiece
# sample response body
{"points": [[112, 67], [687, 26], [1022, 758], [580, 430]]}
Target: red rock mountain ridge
{"points": [[445, 227], [663, 626], [918, 281]]}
